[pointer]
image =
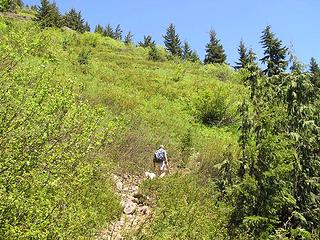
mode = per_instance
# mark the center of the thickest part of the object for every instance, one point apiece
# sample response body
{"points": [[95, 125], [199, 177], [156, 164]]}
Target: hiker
{"points": [[160, 161]]}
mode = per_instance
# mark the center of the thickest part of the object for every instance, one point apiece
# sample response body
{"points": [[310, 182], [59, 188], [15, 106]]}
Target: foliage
{"points": [[185, 210], [280, 159], [214, 109], [243, 56], [83, 58], [251, 73], [74, 20], [98, 29], [147, 42], [48, 15], [87, 27], [274, 53], [108, 32], [52, 184], [172, 41], [154, 54], [10, 5], [214, 50], [152, 102], [186, 51], [118, 33], [315, 75], [128, 39]]}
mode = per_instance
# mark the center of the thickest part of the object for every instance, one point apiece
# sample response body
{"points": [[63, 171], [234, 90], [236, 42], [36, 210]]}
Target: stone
{"points": [[138, 195], [119, 185], [129, 207], [144, 209]]}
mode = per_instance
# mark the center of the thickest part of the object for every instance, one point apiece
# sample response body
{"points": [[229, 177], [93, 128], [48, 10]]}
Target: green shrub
{"points": [[83, 58], [214, 109], [185, 209], [154, 54], [51, 184]]}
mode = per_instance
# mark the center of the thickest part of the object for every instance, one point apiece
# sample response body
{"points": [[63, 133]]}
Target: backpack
{"points": [[159, 155]]}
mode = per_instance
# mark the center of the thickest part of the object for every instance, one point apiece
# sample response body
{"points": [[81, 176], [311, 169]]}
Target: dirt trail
{"points": [[136, 209]]}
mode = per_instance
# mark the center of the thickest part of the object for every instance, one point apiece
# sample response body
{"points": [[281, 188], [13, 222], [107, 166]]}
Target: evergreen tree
{"points": [[74, 20], [118, 33], [87, 27], [280, 159], [315, 72], [33, 7], [303, 118], [214, 50], [98, 29], [172, 41], [253, 73], [274, 53], [186, 51], [154, 53], [108, 32], [194, 57], [48, 15], [10, 5], [314, 67], [243, 56], [128, 39], [147, 42], [19, 3]]}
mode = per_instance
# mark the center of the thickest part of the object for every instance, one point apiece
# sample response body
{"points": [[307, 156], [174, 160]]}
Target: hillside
{"points": [[79, 111], [138, 104]]}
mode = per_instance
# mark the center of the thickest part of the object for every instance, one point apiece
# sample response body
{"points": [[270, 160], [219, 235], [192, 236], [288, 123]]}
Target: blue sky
{"points": [[295, 22]]}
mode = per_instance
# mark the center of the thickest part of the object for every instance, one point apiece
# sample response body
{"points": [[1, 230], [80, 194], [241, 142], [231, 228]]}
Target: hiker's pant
{"points": [[160, 167]]}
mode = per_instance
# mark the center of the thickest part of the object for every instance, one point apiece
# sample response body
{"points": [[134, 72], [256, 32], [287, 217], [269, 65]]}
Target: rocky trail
{"points": [[136, 209]]}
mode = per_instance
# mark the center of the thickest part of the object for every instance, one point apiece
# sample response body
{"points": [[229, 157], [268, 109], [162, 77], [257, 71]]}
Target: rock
{"points": [[144, 209], [129, 207], [138, 195], [65, 28], [119, 185]]}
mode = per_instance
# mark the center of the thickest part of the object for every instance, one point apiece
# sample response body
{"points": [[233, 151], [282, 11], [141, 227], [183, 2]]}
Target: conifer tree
{"points": [[108, 32], [214, 50], [10, 5], [118, 33], [74, 20], [154, 53], [128, 39], [314, 67], [280, 159], [19, 3], [315, 71], [48, 15], [147, 42], [172, 41], [87, 27], [253, 73], [243, 56], [98, 29], [186, 51], [194, 57], [274, 53]]}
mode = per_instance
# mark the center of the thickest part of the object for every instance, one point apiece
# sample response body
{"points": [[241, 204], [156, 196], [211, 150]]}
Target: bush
{"points": [[154, 54], [51, 184], [185, 209], [83, 58], [214, 109]]}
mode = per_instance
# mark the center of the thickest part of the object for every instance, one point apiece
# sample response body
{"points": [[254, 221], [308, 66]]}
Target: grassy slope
{"points": [[156, 99], [154, 102]]}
